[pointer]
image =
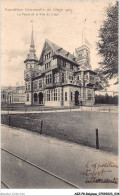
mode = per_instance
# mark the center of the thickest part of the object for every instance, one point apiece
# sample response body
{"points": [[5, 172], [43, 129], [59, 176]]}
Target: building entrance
{"points": [[40, 98], [35, 98], [76, 98]]}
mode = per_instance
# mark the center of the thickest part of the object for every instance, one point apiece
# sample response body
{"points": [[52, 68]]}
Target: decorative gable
{"points": [[47, 52]]}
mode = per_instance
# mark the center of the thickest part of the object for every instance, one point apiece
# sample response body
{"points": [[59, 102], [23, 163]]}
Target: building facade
{"points": [[13, 95], [58, 78]]}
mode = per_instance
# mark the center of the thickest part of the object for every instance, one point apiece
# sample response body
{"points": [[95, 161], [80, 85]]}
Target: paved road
{"points": [[67, 160], [22, 175]]}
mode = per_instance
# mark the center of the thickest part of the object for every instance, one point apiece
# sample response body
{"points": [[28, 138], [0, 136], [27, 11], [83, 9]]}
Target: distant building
{"points": [[3, 96], [58, 78], [13, 94]]}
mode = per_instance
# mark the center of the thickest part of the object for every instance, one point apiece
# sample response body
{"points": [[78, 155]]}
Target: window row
{"points": [[71, 96], [27, 86], [53, 95], [91, 77], [47, 65], [35, 84], [47, 56], [49, 79], [64, 63]]}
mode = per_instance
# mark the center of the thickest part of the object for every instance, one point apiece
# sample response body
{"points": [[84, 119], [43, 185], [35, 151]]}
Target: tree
{"points": [[108, 43], [101, 81]]}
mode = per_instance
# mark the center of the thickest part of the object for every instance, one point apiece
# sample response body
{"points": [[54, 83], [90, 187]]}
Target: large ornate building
{"points": [[58, 78]]}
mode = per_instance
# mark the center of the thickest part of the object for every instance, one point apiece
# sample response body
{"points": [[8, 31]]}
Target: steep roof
{"points": [[61, 52]]}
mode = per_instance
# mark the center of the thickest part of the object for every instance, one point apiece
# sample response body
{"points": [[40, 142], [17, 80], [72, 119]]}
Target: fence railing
{"points": [[72, 108], [97, 138]]}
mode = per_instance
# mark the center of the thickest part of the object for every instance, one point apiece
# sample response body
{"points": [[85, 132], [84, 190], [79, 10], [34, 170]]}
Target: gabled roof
{"points": [[60, 52]]}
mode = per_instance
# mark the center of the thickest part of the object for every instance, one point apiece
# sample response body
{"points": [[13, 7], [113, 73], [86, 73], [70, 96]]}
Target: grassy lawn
{"points": [[78, 127]]}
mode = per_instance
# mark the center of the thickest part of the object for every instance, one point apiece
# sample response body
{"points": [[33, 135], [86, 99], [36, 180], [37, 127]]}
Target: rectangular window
{"points": [[58, 94], [49, 79], [48, 95], [64, 63], [26, 86], [65, 96], [45, 97], [51, 95], [47, 65], [49, 54], [34, 85], [71, 96], [40, 83], [60, 60], [27, 97], [71, 66], [55, 94], [62, 77]]}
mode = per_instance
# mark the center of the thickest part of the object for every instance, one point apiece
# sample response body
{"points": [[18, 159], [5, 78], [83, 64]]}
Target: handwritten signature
{"points": [[95, 171]]}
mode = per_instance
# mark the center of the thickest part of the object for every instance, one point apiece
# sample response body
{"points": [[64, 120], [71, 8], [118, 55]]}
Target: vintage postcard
{"points": [[59, 97]]}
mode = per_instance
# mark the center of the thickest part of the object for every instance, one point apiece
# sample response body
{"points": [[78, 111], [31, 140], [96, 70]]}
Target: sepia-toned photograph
{"points": [[59, 95]]}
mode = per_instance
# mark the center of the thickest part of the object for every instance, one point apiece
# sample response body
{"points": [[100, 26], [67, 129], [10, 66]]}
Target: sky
{"points": [[60, 22]]}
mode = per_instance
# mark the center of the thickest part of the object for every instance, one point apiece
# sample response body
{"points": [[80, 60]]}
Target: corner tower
{"points": [[31, 67], [83, 57]]}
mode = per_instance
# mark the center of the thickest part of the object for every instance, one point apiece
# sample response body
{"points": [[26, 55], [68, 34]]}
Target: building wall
{"points": [[18, 98], [3, 97], [28, 102], [71, 97]]}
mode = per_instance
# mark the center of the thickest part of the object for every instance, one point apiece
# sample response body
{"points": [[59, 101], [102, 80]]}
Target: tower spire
{"points": [[32, 55], [32, 47], [32, 38]]}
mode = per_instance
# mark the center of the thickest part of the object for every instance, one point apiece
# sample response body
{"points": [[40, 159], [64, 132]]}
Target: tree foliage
{"points": [[108, 43], [101, 82], [106, 99]]}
